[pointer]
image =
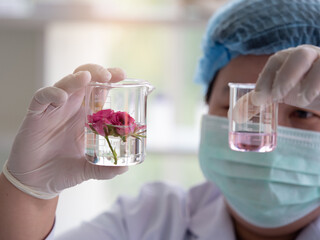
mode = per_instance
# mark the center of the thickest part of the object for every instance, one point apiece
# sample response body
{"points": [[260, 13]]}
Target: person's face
{"points": [[246, 69]]}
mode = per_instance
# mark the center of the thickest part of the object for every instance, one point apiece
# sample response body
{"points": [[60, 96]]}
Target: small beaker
{"points": [[116, 127], [251, 128]]}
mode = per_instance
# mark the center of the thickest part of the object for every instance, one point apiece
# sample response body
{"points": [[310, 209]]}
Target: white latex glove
{"points": [[48, 152], [291, 76]]}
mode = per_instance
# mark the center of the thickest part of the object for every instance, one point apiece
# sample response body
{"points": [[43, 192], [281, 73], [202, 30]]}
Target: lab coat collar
{"points": [[210, 219], [311, 232]]}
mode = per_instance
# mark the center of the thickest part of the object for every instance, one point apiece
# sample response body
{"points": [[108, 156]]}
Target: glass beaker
{"points": [[116, 127], [251, 128]]}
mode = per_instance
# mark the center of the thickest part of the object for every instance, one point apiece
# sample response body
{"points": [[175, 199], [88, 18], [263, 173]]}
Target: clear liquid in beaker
{"points": [[129, 152], [252, 142]]}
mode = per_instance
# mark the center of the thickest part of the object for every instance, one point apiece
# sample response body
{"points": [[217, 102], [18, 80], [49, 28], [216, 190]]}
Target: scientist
{"points": [[248, 196]]}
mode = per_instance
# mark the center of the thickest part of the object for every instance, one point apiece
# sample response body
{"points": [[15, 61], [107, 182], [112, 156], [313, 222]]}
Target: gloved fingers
{"points": [[98, 73], [244, 109], [262, 92], [101, 74], [283, 71], [74, 82], [310, 87], [101, 94], [292, 71], [118, 74], [47, 96]]}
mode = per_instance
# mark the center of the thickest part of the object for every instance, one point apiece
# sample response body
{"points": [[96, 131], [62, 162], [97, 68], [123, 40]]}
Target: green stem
{"points": [[138, 135], [141, 132], [93, 130], [112, 150]]}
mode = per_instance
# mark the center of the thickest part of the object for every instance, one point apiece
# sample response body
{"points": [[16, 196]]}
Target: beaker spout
{"points": [[150, 88]]}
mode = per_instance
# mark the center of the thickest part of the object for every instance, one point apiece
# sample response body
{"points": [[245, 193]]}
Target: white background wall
{"points": [[21, 73]]}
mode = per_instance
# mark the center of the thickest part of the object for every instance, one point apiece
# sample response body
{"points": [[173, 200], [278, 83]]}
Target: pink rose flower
{"points": [[125, 122], [103, 115], [118, 124], [100, 127], [99, 120]]}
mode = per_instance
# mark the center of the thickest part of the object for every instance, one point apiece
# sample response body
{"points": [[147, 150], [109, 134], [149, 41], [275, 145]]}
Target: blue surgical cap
{"points": [[256, 27]]}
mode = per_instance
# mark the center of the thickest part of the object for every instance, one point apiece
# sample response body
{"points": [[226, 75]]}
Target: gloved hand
{"points": [[48, 152], [291, 76]]}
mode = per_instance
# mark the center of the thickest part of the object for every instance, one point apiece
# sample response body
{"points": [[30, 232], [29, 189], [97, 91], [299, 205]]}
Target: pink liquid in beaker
{"points": [[253, 142]]}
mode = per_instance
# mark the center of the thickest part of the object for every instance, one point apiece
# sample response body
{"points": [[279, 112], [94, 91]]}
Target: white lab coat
{"points": [[166, 212]]}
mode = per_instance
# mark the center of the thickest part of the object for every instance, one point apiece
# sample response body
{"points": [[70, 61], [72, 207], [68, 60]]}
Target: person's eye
{"points": [[303, 114]]}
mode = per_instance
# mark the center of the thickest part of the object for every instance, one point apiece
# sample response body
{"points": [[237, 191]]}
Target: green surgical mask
{"points": [[266, 189]]}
